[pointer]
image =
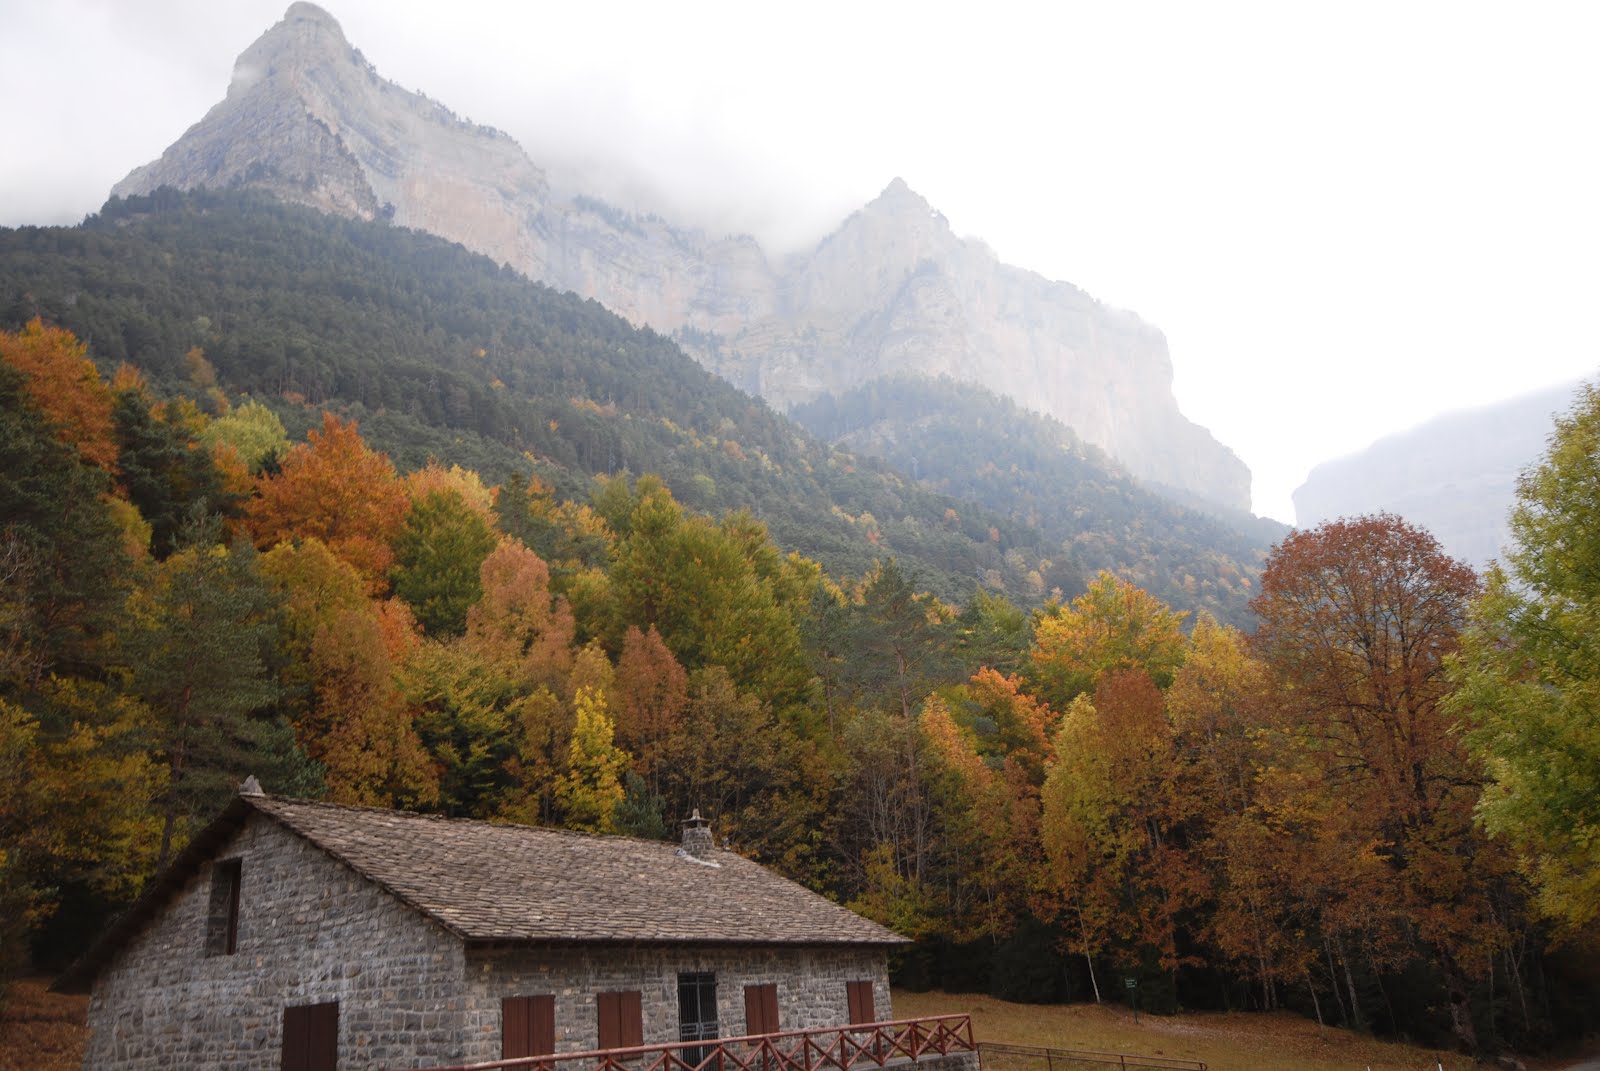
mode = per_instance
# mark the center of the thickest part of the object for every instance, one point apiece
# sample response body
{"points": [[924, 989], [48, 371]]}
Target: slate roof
{"points": [[491, 882], [488, 882]]}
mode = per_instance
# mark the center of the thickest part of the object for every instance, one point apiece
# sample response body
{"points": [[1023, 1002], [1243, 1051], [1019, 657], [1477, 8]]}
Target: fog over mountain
{"points": [[1455, 475], [891, 291]]}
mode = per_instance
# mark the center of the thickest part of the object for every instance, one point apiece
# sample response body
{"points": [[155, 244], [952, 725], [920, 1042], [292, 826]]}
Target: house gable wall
{"points": [[811, 985], [310, 930]]}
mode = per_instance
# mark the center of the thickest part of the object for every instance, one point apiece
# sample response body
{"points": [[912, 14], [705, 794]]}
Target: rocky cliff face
{"points": [[892, 291], [1455, 475]]}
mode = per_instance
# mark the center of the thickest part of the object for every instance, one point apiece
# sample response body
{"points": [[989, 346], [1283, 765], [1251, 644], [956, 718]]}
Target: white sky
{"points": [[1345, 216]]}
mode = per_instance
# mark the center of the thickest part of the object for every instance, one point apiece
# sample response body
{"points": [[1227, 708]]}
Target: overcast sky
{"points": [[1345, 216]]}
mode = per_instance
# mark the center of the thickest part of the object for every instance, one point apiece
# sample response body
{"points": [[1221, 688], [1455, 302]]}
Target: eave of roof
{"points": [[79, 977]]}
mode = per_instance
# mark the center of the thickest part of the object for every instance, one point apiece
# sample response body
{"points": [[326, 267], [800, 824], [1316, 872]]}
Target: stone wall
{"points": [[310, 930], [811, 987]]}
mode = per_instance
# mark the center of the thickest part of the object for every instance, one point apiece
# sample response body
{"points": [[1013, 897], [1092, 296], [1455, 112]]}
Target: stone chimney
{"points": [[697, 836]]}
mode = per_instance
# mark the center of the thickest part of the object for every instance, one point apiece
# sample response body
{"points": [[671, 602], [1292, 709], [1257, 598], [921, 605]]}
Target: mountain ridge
{"points": [[1455, 475], [891, 290]]}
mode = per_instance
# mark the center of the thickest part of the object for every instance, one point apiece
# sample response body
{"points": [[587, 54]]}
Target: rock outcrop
{"points": [[892, 291], [1455, 475]]}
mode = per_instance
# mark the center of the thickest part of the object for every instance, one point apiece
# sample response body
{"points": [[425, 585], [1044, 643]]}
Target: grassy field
{"points": [[1226, 1041], [40, 1030]]}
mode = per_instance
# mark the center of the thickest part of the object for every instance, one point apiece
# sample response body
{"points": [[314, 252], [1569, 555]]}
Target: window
{"points": [[621, 1020], [527, 1026], [697, 1012], [859, 995], [761, 1009], [311, 1037], [222, 921]]}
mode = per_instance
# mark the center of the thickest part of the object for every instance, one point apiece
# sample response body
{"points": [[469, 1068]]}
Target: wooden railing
{"points": [[840, 1048], [994, 1057]]}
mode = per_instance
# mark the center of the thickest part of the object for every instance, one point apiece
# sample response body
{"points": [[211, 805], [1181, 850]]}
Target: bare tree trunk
{"points": [[1522, 991], [1315, 1003], [1357, 1020], [1460, 1007], [1333, 978]]}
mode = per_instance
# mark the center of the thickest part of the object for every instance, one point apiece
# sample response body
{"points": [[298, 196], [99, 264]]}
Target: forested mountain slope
{"points": [[441, 353], [973, 444]]}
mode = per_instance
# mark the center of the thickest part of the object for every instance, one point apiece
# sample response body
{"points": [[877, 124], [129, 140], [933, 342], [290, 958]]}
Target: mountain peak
{"points": [[307, 37], [899, 194], [304, 11]]}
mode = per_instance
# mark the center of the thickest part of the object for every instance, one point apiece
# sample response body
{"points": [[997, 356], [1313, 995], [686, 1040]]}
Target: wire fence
{"points": [[994, 1057]]}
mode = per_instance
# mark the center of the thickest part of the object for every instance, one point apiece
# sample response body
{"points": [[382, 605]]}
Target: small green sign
{"points": [[1131, 983]]}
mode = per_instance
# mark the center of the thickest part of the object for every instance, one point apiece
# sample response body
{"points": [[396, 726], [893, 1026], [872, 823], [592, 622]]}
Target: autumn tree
{"points": [[1113, 625], [253, 431], [1529, 676], [651, 691], [359, 726], [1109, 826], [985, 845], [76, 783], [334, 488], [1357, 619], [1235, 833], [591, 789], [518, 623], [64, 384]]}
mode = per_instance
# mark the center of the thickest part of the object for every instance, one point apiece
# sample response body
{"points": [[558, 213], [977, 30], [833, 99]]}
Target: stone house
{"points": [[300, 935]]}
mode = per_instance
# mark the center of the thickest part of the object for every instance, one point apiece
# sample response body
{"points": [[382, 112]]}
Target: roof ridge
{"points": [[486, 822]]}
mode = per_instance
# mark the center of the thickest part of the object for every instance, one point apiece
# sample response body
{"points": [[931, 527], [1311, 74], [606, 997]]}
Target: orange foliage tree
{"points": [[334, 488], [66, 386], [1357, 619]]}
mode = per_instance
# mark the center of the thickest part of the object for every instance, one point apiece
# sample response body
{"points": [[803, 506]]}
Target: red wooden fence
{"points": [[840, 1048]]}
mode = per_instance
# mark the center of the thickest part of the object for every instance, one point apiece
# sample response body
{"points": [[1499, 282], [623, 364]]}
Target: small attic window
{"points": [[222, 921]]}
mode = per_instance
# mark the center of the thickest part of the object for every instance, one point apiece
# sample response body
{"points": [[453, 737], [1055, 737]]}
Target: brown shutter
{"points": [[610, 1032], [632, 1019], [860, 1000], [527, 1026], [311, 1037], [544, 1025], [621, 1019], [761, 1009]]}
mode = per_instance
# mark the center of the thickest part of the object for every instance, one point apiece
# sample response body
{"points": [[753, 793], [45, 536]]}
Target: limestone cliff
{"points": [[892, 291]]}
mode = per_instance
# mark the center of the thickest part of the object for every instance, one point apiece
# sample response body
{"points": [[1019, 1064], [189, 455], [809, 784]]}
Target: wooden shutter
{"points": [[860, 1000], [621, 1019], [527, 1026], [311, 1037], [761, 1009]]}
